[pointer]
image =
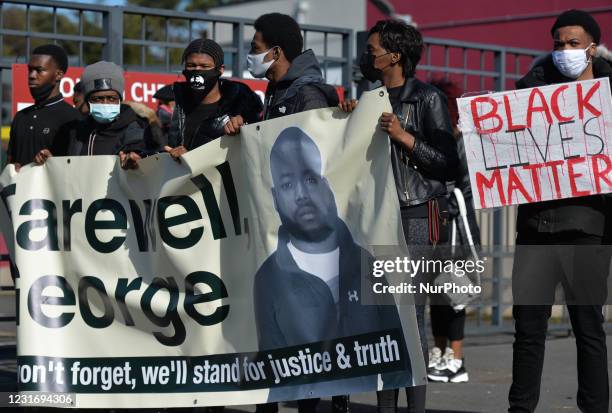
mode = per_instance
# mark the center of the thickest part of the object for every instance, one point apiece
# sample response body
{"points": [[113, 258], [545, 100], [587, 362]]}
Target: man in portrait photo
{"points": [[309, 289]]}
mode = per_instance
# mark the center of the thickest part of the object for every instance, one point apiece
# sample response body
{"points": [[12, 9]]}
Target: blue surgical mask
{"points": [[104, 112]]}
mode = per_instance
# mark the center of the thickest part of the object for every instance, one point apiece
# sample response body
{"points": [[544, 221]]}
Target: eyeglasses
{"points": [[104, 99]]}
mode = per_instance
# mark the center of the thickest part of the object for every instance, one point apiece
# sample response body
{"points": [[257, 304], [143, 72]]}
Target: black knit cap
{"points": [[206, 46], [165, 93], [56, 52], [578, 18]]}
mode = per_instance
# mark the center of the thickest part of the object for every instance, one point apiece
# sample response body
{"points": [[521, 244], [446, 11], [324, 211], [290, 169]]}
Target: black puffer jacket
{"points": [[584, 214], [128, 132], [422, 175], [236, 99], [302, 88]]}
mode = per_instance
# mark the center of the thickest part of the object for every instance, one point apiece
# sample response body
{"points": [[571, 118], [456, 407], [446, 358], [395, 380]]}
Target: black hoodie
{"points": [[301, 89], [583, 214]]}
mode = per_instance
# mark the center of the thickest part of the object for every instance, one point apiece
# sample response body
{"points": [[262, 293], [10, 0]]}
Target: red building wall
{"points": [[520, 22]]}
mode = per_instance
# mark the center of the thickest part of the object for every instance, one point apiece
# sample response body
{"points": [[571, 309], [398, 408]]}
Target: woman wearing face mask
{"points": [[423, 159], [111, 128], [207, 107]]}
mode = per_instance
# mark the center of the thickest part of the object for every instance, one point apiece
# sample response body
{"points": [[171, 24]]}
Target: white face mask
{"points": [[256, 65], [571, 63]]}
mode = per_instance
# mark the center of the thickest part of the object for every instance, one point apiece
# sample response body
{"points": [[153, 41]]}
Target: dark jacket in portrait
{"points": [[293, 307]]}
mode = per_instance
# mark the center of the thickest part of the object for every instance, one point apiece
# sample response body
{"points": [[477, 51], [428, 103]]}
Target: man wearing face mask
{"points": [[36, 127], [561, 241], [207, 107], [112, 128], [296, 83]]}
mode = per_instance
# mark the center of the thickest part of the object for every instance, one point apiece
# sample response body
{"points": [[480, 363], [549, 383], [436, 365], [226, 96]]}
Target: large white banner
{"points": [[232, 277], [539, 144]]}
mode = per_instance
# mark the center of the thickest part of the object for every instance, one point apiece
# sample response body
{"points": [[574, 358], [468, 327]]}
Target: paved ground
{"points": [[490, 365], [488, 360]]}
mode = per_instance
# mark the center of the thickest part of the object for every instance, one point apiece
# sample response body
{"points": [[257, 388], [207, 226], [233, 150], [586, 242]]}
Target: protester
{"points": [[296, 82], [38, 126], [296, 85], [446, 362], [208, 107], [78, 99], [423, 156], [111, 128], [572, 231], [165, 107]]}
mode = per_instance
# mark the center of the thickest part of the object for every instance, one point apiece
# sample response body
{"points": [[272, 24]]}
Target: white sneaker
{"points": [[449, 369], [435, 354]]}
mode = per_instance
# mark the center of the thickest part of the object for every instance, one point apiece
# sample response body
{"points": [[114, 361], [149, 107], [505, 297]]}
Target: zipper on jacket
{"points": [[92, 139]]}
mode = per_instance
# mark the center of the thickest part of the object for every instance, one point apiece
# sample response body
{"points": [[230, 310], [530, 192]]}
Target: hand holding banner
{"points": [[186, 285]]}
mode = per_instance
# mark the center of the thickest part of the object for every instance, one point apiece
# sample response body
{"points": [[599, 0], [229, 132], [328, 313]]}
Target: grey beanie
{"points": [[103, 76]]}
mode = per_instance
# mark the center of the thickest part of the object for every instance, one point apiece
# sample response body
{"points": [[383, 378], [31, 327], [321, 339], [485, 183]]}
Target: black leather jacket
{"points": [[421, 175]]}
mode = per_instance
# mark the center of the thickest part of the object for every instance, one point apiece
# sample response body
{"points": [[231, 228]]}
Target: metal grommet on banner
{"points": [[68, 160], [258, 127], [381, 94]]}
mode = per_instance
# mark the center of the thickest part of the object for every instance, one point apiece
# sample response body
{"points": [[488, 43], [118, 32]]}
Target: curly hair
{"points": [[283, 31], [398, 37]]}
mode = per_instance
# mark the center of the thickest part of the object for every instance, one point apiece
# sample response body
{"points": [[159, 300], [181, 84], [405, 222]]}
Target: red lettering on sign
{"points": [[583, 102], [511, 126], [554, 165], [601, 174], [573, 175], [514, 183], [492, 114], [482, 182], [554, 104], [531, 108], [534, 169]]}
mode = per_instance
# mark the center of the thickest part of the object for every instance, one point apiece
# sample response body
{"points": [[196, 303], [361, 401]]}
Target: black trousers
{"points": [[575, 260], [340, 404]]}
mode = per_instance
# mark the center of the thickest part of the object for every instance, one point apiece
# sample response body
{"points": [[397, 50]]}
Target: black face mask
{"points": [[201, 82], [366, 65], [41, 93]]}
